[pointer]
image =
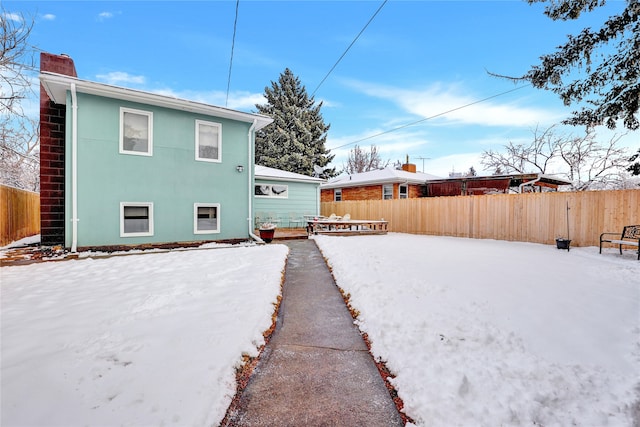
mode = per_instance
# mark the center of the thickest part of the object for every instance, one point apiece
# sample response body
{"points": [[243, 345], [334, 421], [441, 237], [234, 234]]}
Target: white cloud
{"points": [[49, 17], [394, 146], [102, 16], [461, 162], [12, 17], [243, 101], [120, 77], [451, 103]]}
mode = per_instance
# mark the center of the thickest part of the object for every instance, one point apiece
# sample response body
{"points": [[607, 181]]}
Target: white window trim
{"points": [[335, 190], [406, 194], [147, 204], [271, 195], [195, 217], [386, 185], [149, 115], [197, 142]]}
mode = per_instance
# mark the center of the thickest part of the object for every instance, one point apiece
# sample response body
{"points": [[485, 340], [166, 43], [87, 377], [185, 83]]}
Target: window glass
{"points": [[206, 218], [337, 195], [279, 190], [208, 141], [262, 190], [387, 191], [136, 131], [136, 219], [403, 191], [271, 190]]}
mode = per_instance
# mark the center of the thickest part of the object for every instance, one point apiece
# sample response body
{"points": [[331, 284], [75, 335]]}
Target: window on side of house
{"points": [[337, 195], [136, 132], [208, 141], [387, 191], [403, 191], [271, 190], [206, 218], [136, 219]]}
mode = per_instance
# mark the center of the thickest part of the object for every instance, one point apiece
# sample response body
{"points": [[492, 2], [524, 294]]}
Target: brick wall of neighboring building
{"points": [[369, 192], [415, 191], [52, 143]]}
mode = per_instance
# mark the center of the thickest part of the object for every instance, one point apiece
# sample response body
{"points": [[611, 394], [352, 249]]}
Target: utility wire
{"points": [[430, 117], [233, 43], [337, 62], [347, 50]]}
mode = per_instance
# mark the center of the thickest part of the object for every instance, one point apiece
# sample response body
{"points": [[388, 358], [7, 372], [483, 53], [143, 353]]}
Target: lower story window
{"points": [[337, 195], [403, 191], [206, 218], [136, 219], [387, 191]]}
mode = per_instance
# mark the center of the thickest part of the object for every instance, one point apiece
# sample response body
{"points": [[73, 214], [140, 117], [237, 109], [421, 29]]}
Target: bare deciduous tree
{"points": [[360, 160], [587, 162], [19, 159]]}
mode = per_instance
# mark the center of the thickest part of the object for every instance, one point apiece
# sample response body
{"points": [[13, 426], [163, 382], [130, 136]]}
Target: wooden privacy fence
{"points": [[530, 217], [19, 214]]}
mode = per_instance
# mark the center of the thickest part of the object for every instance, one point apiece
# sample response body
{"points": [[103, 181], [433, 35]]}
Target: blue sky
{"points": [[416, 59]]}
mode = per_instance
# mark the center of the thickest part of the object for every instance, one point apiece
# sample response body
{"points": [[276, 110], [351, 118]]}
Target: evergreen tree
{"points": [[603, 80], [295, 141]]}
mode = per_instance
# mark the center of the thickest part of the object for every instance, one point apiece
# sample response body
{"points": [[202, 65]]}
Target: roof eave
{"points": [[285, 179], [57, 85], [344, 184]]}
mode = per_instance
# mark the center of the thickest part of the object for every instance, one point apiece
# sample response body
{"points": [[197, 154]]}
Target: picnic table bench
{"points": [[630, 236], [351, 227]]}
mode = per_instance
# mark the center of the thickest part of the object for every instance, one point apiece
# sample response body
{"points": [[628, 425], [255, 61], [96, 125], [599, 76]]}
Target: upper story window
{"points": [[271, 190], [206, 218], [403, 191], [337, 195], [208, 141], [387, 191], [136, 219], [136, 132]]}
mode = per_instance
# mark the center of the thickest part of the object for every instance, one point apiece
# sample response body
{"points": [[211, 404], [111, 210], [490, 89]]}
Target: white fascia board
{"points": [[57, 85], [311, 180], [344, 184]]}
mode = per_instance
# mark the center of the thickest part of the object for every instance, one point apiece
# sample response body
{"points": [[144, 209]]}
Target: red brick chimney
{"points": [[52, 133], [409, 167]]}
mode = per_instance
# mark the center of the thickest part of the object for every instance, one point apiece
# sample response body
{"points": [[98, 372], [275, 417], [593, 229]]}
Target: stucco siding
{"points": [[171, 178]]}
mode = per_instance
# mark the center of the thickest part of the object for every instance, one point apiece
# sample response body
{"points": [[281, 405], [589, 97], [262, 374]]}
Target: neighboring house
{"points": [[494, 184], [285, 196], [126, 167], [377, 184]]}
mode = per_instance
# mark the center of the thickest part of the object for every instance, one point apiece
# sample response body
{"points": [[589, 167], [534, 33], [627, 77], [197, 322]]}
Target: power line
{"points": [[347, 50], [337, 62], [430, 117], [233, 43]]}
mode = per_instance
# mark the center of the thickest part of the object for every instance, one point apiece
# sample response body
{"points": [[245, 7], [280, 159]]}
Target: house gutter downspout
{"points": [[74, 169], [250, 183], [529, 183]]}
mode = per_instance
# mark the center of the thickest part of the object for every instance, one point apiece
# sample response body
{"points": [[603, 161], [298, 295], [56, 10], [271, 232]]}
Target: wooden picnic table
{"points": [[352, 227]]}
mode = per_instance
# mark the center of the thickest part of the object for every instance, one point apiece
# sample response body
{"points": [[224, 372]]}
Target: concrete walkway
{"points": [[316, 370]]}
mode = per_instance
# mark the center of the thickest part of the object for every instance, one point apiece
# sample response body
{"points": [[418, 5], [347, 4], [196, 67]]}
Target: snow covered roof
{"points": [[263, 172], [57, 85], [378, 176]]}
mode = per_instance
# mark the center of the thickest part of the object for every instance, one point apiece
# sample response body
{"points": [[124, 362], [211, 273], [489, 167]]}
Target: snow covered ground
{"points": [[139, 340], [478, 332], [484, 332]]}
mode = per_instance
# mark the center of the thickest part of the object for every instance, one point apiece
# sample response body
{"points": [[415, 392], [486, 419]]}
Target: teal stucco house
{"points": [[121, 167]]}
